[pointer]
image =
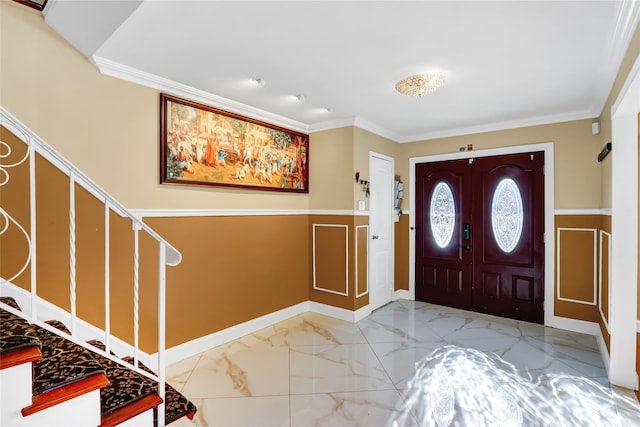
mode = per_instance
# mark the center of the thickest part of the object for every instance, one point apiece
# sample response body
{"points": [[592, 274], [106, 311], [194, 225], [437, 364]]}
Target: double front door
{"points": [[479, 234]]}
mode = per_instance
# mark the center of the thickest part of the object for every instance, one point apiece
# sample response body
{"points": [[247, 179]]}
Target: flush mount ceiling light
{"points": [[420, 84]]}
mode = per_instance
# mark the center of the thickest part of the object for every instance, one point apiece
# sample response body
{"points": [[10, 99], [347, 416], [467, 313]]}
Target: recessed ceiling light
{"points": [[327, 109], [300, 97], [257, 81], [420, 84]]}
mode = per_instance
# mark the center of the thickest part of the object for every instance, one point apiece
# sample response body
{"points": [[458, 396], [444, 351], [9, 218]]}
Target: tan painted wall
{"points": [[108, 128], [13, 193], [633, 52], [605, 118], [363, 143], [89, 117], [330, 165], [576, 186], [234, 269], [53, 266], [335, 261], [582, 268]]}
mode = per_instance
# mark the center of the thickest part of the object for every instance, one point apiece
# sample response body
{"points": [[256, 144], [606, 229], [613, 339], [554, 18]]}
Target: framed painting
{"points": [[202, 145]]}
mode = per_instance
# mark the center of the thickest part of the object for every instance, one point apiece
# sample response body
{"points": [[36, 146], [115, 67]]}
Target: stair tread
{"points": [[11, 343], [126, 386], [63, 362], [123, 394], [10, 324], [133, 409], [10, 301], [58, 325], [15, 346], [65, 393], [176, 404], [19, 357]]}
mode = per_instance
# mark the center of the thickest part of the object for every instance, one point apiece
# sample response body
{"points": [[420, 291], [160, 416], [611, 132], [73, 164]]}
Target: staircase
{"points": [[56, 372], [49, 380]]}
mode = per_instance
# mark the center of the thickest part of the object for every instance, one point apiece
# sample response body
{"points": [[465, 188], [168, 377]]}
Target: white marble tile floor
{"points": [[313, 370]]}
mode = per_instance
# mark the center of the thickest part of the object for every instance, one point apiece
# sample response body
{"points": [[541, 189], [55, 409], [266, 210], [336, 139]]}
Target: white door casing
{"points": [[381, 238]]}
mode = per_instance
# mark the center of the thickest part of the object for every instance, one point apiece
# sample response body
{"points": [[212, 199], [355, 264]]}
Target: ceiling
{"points": [[506, 63]]}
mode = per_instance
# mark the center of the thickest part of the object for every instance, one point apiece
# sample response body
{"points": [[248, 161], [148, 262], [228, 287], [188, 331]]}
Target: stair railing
{"points": [[167, 254]]}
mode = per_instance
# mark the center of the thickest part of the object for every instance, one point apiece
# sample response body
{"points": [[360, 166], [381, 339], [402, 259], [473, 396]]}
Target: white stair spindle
{"points": [[136, 297], [72, 252]]}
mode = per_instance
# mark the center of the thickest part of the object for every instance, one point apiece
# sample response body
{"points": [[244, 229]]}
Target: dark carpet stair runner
{"points": [[66, 366], [62, 371], [15, 346], [176, 405]]}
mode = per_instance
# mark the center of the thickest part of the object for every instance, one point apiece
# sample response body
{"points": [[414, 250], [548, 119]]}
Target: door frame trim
{"points": [[549, 209], [392, 239]]}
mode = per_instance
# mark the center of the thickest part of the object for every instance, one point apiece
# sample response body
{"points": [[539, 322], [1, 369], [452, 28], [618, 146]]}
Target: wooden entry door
{"points": [[479, 235]]}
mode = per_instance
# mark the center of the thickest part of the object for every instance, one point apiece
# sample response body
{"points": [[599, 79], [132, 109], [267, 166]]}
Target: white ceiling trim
{"points": [[130, 74], [120, 71], [107, 18], [492, 127], [333, 124], [124, 72], [622, 34]]}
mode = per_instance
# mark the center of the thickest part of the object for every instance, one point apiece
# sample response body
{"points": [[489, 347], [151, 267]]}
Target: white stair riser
{"points": [[142, 420], [15, 389], [81, 411]]}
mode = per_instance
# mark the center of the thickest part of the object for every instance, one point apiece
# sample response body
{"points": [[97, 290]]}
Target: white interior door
{"points": [[381, 230]]}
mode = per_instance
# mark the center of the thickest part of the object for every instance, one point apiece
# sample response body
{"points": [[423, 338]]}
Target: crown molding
{"points": [[124, 72], [498, 126], [378, 130], [621, 36]]}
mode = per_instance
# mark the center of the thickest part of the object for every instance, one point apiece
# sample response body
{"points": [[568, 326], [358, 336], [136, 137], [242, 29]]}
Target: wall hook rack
{"points": [[364, 183]]}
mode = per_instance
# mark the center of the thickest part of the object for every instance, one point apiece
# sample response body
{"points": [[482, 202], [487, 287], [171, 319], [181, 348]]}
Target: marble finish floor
{"points": [[313, 370]]}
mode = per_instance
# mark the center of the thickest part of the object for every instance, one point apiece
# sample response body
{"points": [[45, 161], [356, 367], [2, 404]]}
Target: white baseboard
{"points": [[207, 342], [86, 331], [582, 326], [199, 345], [604, 353], [402, 294], [339, 313]]}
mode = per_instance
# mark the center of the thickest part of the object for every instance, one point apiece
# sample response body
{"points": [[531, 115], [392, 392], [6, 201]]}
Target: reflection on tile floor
{"points": [[313, 370]]}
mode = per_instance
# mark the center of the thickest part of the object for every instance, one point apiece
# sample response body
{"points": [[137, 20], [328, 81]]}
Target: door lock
{"points": [[466, 232]]}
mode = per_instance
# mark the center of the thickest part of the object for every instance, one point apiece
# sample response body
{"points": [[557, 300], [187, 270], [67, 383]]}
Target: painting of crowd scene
{"points": [[205, 146]]}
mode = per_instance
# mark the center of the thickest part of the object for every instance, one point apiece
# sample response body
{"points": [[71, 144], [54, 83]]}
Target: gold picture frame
{"points": [[205, 146]]}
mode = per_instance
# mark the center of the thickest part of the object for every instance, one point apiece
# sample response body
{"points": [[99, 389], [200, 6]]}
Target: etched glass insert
{"points": [[507, 215], [443, 214]]}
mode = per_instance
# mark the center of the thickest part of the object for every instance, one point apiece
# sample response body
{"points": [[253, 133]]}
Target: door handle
{"points": [[375, 237], [466, 247], [466, 232]]}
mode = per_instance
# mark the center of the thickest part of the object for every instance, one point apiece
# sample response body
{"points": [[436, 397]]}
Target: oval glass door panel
{"points": [[507, 215], [443, 214]]}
